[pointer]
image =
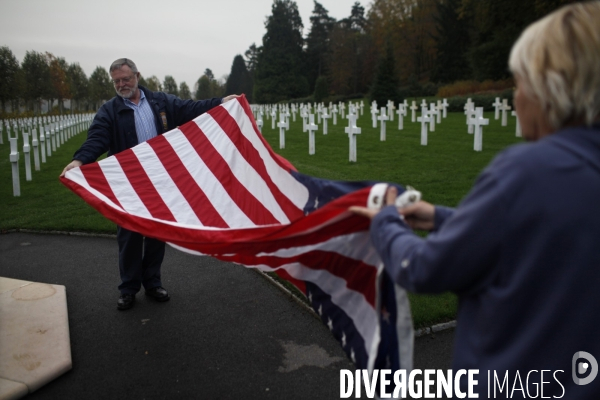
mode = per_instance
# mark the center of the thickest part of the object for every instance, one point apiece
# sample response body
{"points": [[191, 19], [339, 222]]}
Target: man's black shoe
{"points": [[158, 293], [125, 301]]}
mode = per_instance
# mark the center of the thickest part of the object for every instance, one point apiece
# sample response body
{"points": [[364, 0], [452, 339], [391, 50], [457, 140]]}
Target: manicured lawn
{"points": [[443, 171]]}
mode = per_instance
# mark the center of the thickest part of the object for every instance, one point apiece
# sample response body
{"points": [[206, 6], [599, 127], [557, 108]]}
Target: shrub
{"points": [[461, 88], [457, 103]]}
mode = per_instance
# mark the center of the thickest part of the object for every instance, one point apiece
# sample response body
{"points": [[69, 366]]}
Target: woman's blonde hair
{"points": [[558, 60]]}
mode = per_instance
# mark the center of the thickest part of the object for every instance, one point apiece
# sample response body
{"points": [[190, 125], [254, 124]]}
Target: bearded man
{"points": [[134, 116]]}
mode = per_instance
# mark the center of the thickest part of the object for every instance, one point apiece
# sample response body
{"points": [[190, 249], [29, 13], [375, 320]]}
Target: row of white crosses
{"points": [[475, 120], [504, 107], [430, 115], [53, 132]]}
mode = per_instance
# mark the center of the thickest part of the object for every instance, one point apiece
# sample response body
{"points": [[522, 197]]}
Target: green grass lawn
{"points": [[443, 171]]}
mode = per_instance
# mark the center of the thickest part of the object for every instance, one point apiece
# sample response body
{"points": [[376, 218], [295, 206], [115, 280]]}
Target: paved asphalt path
{"points": [[226, 333]]}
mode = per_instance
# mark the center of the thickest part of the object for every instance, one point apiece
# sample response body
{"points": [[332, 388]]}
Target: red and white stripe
{"points": [[214, 186]]}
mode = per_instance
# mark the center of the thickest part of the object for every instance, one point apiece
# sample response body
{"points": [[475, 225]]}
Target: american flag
{"points": [[215, 187]]}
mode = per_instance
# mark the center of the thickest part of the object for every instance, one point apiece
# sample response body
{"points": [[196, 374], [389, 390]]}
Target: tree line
{"points": [[45, 77], [393, 50]]}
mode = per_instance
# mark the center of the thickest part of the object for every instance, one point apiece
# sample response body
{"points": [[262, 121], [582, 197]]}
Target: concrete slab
{"points": [[34, 336], [10, 390], [7, 284]]}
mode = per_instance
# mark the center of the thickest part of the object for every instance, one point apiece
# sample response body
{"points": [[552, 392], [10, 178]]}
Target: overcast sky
{"points": [[174, 37]]}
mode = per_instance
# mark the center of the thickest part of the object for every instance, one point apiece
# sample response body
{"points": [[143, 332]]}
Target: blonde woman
{"points": [[522, 250]]}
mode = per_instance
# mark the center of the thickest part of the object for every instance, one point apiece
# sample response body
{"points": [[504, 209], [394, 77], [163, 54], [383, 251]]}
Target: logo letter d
{"points": [[592, 363]]}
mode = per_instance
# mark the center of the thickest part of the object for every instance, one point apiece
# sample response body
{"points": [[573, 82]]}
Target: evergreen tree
{"points": [[170, 86], [357, 20], [209, 74], [321, 89], [349, 63], [495, 26], [217, 87], [203, 89], [142, 81], [184, 91], [452, 44], [36, 79], [386, 82], [317, 43], [153, 83], [9, 74], [78, 83], [239, 80], [280, 71], [101, 87], [60, 88], [251, 58]]}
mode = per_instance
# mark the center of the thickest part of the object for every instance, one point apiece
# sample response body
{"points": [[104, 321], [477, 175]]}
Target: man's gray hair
{"points": [[123, 61]]}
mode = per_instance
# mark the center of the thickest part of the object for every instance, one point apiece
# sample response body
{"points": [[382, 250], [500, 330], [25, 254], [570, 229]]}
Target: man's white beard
{"points": [[130, 94]]}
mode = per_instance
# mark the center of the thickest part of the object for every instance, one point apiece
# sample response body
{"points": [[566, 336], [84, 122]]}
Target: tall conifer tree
{"points": [[280, 72], [239, 80], [317, 43], [386, 83]]}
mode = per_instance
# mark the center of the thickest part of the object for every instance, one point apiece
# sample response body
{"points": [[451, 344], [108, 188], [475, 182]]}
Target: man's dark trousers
{"points": [[140, 259]]}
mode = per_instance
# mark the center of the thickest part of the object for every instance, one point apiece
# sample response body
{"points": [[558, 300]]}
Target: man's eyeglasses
{"points": [[124, 80]]}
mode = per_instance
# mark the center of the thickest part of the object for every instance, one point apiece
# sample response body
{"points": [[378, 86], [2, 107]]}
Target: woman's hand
{"points": [[390, 198], [419, 215]]}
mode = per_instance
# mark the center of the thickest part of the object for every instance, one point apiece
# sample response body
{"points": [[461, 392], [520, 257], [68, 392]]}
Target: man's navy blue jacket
{"points": [[113, 128]]}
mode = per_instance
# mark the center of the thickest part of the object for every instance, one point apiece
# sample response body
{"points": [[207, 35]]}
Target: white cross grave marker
{"points": [[36, 154], [42, 143], [259, 121], [470, 113], [334, 113], [401, 113], [304, 115], [497, 105], [390, 109], [478, 122], [505, 107], [518, 132], [26, 152], [48, 140], [414, 109], [352, 130], [282, 125], [374, 112], [445, 108], [424, 119], [14, 159], [311, 127], [325, 115], [433, 112], [382, 117]]}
